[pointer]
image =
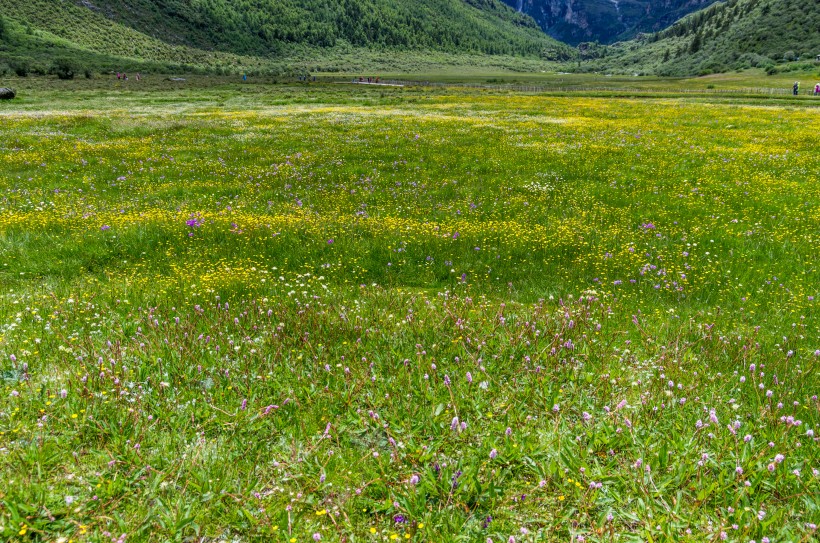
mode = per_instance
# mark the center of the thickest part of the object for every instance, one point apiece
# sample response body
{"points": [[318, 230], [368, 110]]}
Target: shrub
{"points": [[796, 67], [20, 67], [754, 60], [713, 67], [64, 68]]}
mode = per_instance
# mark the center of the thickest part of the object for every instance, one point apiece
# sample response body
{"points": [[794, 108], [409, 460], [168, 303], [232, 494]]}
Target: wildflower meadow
{"points": [[337, 313]]}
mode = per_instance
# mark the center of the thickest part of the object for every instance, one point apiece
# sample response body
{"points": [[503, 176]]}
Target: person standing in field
{"points": [[817, 89], [796, 88]]}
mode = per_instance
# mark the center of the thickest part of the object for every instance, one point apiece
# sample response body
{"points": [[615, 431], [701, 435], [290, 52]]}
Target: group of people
{"points": [[796, 89], [124, 77]]}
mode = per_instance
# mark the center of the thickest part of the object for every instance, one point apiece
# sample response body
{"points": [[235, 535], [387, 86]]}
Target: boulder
{"points": [[7, 94]]}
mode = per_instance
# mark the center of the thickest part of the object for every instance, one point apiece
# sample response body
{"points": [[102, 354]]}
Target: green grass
{"points": [[263, 312], [753, 80]]}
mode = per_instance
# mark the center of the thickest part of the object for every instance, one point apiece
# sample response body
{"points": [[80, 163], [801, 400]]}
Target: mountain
{"points": [[230, 32], [730, 35], [604, 21]]}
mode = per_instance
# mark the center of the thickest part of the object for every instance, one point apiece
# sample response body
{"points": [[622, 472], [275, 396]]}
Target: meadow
{"points": [[346, 313]]}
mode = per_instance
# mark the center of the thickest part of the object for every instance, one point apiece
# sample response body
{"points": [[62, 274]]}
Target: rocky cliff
{"points": [[605, 21]]}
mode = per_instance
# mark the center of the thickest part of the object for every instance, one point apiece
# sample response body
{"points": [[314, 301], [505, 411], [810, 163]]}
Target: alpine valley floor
{"points": [[347, 313]]}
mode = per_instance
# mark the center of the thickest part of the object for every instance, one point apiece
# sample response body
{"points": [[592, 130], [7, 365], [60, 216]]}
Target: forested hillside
{"points": [[228, 33], [731, 35], [295, 36], [262, 26]]}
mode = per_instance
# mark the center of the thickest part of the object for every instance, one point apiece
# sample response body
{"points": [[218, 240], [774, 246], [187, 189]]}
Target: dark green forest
{"points": [[263, 26], [776, 35], [239, 35]]}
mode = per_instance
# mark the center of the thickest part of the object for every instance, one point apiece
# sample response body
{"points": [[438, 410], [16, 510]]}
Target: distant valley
{"points": [[604, 21]]}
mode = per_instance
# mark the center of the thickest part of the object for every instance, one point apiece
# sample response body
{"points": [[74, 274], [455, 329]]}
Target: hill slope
{"points": [[207, 31], [605, 21], [731, 35]]}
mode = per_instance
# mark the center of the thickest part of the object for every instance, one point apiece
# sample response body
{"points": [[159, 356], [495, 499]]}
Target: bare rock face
{"points": [[605, 21], [7, 94]]}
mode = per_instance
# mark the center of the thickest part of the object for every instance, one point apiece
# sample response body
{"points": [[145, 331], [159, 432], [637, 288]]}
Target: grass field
{"points": [[337, 313], [746, 79]]}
